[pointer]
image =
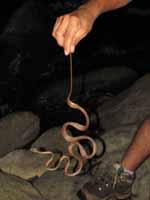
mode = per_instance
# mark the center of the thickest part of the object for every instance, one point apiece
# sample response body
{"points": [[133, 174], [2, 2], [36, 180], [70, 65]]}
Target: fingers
{"points": [[73, 28], [56, 25], [68, 31], [60, 28], [65, 30], [78, 37]]}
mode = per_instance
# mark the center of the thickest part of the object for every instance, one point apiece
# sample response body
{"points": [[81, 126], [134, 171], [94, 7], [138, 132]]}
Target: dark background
{"points": [[29, 82]]}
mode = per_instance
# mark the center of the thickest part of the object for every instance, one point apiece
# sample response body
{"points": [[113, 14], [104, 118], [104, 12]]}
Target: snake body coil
{"points": [[82, 156]]}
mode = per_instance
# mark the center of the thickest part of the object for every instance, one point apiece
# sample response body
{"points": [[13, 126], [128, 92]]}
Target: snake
{"points": [[74, 142]]}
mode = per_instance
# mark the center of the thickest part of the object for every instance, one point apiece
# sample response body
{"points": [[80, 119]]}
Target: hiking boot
{"points": [[114, 184]]}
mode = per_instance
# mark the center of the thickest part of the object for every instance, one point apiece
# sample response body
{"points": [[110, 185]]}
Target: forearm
{"points": [[97, 7]]}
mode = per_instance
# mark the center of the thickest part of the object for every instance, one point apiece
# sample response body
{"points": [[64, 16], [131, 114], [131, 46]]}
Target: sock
{"points": [[128, 171], [117, 166]]}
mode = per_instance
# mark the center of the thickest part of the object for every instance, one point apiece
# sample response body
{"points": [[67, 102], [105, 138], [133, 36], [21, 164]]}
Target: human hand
{"points": [[71, 28]]}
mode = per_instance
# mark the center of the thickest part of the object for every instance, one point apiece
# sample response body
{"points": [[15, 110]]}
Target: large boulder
{"points": [[88, 86], [131, 106], [14, 188], [24, 164], [54, 185], [52, 139], [17, 130]]}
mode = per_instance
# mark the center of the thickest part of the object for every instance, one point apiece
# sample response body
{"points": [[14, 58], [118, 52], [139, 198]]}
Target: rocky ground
{"points": [[23, 174], [114, 57]]}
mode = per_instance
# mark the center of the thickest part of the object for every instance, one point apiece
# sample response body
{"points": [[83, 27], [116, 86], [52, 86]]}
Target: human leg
{"points": [[117, 181], [139, 149]]}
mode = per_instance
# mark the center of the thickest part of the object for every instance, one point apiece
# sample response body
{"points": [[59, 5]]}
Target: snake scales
{"points": [[73, 142]]}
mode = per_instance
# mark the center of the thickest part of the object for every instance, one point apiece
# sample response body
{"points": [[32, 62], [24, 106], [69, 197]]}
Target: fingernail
{"points": [[72, 49], [66, 53]]}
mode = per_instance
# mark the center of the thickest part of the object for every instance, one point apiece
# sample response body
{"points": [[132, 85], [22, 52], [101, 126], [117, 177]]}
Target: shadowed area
{"points": [[111, 80]]}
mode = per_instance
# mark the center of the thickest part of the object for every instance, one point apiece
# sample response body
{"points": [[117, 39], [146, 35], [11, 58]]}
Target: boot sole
{"points": [[117, 196]]}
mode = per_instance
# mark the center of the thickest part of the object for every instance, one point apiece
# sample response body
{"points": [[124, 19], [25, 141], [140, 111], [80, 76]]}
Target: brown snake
{"points": [[82, 156]]}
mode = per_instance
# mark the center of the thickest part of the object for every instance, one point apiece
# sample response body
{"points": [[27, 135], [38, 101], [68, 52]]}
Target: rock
{"points": [[51, 140], [119, 136], [14, 188], [32, 22], [111, 78], [117, 141], [24, 164], [141, 187], [17, 130], [87, 86], [131, 106], [54, 185]]}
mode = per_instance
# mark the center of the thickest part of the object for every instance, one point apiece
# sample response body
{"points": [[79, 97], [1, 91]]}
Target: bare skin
{"points": [[71, 28], [139, 149]]}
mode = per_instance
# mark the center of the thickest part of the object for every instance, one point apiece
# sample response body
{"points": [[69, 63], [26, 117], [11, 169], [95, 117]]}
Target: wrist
{"points": [[93, 7]]}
